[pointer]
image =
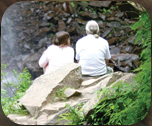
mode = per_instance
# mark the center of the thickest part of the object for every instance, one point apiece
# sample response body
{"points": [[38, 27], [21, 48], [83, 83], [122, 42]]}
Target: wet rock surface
{"points": [[28, 29]]}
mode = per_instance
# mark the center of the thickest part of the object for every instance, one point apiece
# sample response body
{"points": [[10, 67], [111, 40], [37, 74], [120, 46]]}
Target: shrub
{"points": [[127, 103], [60, 94], [133, 106], [116, 106], [9, 104], [73, 116]]}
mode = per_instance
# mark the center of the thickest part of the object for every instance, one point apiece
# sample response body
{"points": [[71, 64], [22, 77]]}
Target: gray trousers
{"points": [[87, 77]]}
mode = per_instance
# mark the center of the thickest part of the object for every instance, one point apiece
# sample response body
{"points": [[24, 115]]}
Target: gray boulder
{"points": [[108, 82], [44, 87], [44, 111]]}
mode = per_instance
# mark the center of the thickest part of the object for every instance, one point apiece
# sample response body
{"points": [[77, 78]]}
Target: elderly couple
{"points": [[92, 52]]}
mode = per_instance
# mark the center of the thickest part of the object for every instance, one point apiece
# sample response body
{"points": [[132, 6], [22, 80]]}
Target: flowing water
{"points": [[8, 51]]}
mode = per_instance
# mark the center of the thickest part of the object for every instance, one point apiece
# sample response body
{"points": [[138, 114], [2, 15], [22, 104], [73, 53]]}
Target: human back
{"points": [[58, 54], [91, 52]]}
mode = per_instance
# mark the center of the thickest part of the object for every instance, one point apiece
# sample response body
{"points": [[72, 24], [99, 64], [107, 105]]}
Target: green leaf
{"points": [[135, 26]]}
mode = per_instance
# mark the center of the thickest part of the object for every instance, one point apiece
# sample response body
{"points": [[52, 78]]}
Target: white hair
{"points": [[92, 27]]}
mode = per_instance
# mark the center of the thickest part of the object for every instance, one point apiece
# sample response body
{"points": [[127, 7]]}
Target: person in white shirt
{"points": [[92, 51], [58, 54]]}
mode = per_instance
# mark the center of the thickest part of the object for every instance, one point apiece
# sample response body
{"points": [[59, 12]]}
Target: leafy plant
{"points": [[51, 25], [72, 4], [144, 71], [60, 94], [114, 108], [3, 75], [41, 2], [114, 7], [105, 11], [118, 109], [10, 104], [52, 35], [124, 103], [73, 116], [24, 81]]}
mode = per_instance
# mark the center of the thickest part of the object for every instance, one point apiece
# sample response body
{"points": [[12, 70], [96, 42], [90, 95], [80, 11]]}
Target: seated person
{"points": [[58, 54], [92, 52]]}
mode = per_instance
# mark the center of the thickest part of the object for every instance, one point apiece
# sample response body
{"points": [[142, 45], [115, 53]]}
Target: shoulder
{"points": [[103, 40], [81, 39], [69, 48], [51, 48]]}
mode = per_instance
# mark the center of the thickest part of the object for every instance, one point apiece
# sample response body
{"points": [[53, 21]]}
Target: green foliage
{"points": [[126, 106], [124, 103], [51, 25], [3, 75], [60, 94], [9, 104], [143, 27], [133, 105], [116, 106], [41, 2], [52, 35], [144, 71], [24, 81], [105, 11], [114, 8], [72, 4], [73, 116]]}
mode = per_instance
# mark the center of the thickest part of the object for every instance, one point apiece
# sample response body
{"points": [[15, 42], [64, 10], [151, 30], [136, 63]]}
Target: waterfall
{"points": [[27, 29], [8, 50]]}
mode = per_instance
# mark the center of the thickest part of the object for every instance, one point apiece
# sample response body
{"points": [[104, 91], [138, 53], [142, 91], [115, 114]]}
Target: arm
{"points": [[77, 57], [107, 54], [107, 61], [43, 61]]}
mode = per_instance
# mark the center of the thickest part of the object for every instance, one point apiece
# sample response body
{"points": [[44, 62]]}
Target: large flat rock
{"points": [[44, 87]]}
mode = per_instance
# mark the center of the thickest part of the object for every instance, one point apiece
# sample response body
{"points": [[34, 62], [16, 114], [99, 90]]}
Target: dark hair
{"points": [[61, 39]]}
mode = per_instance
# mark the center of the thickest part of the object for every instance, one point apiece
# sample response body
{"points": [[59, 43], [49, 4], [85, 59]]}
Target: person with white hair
{"points": [[92, 52]]}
